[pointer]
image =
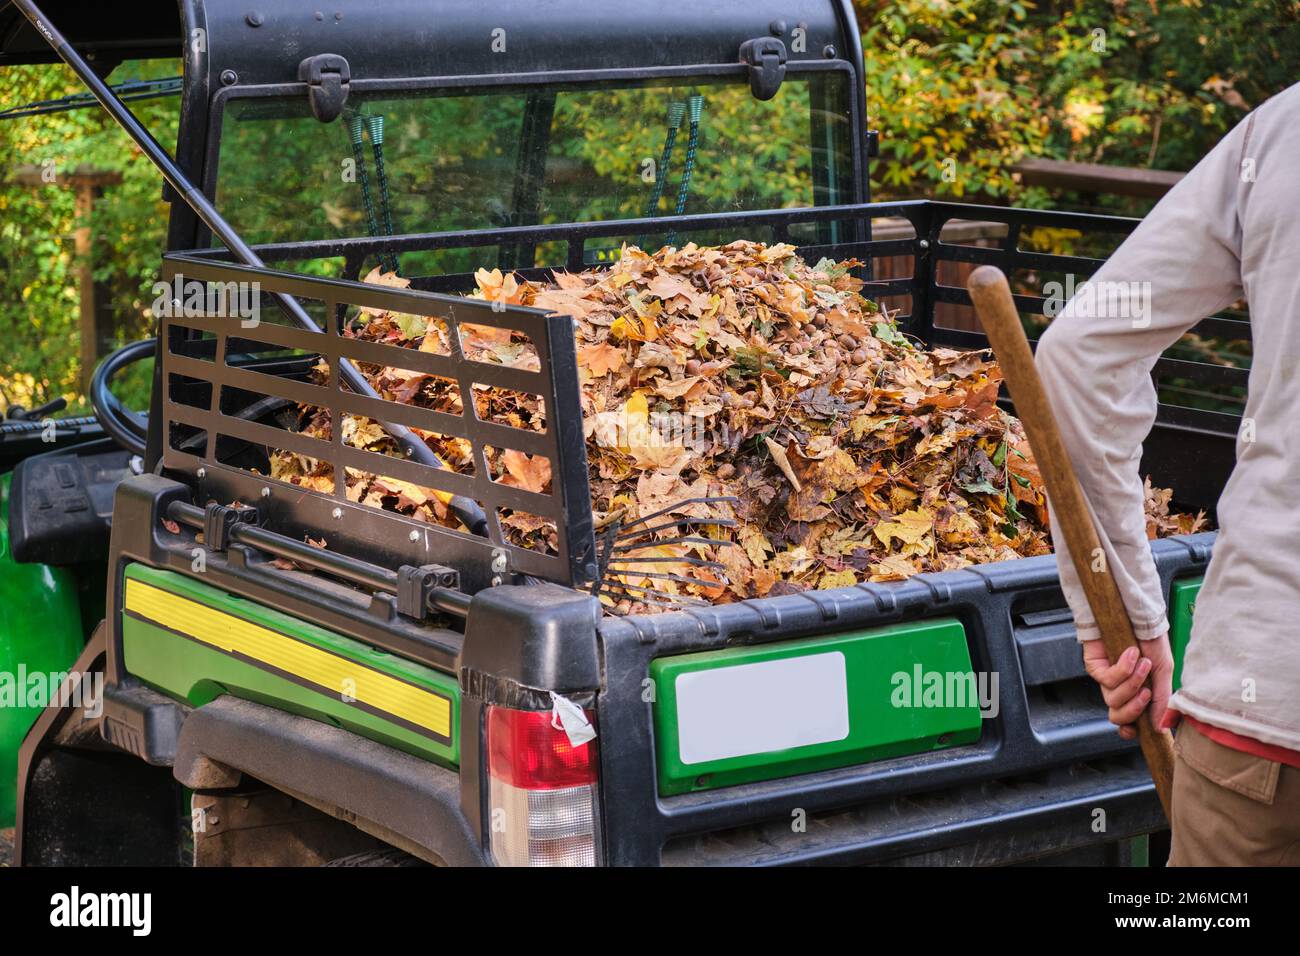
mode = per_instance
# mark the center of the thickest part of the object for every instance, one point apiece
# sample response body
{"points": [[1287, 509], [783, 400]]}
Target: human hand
{"points": [[1124, 683]]}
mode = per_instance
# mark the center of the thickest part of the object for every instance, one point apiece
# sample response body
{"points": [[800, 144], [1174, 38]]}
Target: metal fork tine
{"points": [[653, 596], [620, 542], [653, 543], [716, 522], [690, 562], [654, 602], [679, 578], [727, 499]]}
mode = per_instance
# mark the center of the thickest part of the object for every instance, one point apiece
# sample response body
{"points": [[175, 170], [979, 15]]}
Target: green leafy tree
{"points": [[962, 90], [39, 296]]}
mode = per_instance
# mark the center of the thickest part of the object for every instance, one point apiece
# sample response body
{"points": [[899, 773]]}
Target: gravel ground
{"points": [[6, 846]]}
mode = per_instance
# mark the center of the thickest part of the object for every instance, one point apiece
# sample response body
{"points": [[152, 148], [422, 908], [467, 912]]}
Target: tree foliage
{"points": [[39, 295], [961, 90]]}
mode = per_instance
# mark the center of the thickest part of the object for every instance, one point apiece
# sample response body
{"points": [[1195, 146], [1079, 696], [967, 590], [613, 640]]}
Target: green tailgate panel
{"points": [[1182, 607], [195, 643], [881, 675]]}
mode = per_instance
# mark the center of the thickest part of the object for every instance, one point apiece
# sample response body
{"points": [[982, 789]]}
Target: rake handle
{"points": [[997, 311]]}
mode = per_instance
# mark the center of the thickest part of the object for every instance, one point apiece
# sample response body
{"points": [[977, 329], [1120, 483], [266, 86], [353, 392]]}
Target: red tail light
{"points": [[525, 751], [542, 793]]}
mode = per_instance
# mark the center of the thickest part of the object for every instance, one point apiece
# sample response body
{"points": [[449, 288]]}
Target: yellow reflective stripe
{"points": [[334, 674]]}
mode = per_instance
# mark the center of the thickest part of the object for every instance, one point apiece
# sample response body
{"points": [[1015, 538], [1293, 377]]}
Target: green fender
{"points": [[40, 635]]}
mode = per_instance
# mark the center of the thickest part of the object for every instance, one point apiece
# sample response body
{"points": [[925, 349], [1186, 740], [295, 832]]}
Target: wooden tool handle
{"points": [[997, 311]]}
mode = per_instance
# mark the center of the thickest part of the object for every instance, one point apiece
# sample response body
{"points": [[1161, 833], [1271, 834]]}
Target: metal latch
{"points": [[327, 76], [766, 57]]}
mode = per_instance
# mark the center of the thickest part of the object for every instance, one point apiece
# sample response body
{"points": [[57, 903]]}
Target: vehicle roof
{"points": [[263, 41], [100, 31], [404, 38]]}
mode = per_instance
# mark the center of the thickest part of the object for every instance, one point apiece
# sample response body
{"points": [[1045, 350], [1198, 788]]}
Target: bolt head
{"points": [[229, 77], [202, 473], [337, 513], [414, 535], [254, 18], [266, 492]]}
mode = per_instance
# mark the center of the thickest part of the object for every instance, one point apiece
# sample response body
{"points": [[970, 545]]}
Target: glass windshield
{"points": [[458, 160]]}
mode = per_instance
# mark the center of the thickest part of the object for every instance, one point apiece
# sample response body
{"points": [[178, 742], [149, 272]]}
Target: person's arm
{"points": [[1179, 266]]}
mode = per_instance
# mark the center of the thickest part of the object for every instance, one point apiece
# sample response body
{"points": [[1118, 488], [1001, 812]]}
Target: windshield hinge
{"points": [[327, 76], [766, 58]]}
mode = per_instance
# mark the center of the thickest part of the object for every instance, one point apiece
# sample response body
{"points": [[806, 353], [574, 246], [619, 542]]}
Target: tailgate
{"points": [[781, 730]]}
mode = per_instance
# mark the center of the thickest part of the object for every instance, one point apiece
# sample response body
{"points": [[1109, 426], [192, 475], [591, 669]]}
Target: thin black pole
{"points": [[466, 509]]}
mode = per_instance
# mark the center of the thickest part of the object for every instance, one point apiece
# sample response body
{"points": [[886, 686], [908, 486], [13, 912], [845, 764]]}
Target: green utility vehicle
{"points": [[409, 693]]}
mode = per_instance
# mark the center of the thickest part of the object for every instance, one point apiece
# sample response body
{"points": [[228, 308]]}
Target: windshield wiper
{"points": [[129, 91]]}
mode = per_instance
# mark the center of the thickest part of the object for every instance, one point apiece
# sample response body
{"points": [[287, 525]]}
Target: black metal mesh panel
{"points": [[222, 354]]}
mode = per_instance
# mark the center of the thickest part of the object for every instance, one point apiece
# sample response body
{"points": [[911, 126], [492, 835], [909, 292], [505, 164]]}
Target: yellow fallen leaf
{"points": [[893, 568], [837, 579], [756, 545], [934, 444], [909, 527]]}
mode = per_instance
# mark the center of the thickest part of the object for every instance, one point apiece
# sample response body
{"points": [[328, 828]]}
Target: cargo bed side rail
{"points": [[1046, 254]]}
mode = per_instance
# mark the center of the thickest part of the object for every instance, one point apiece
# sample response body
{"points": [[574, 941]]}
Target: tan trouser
{"points": [[1232, 808]]}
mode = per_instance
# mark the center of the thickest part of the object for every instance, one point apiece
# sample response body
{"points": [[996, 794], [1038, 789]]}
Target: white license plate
{"points": [[759, 708]]}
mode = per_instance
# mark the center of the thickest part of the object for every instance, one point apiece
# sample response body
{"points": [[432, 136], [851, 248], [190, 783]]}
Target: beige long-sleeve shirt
{"points": [[1230, 229]]}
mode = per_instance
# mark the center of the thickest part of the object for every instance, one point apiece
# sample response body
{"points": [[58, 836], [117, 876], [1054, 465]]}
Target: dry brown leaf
{"points": [[601, 359], [854, 454], [530, 472]]}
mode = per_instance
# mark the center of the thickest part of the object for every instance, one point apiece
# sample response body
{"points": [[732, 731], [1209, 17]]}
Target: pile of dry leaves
{"points": [[854, 453]]}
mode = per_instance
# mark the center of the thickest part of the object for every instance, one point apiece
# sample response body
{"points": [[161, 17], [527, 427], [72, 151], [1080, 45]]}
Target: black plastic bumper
{"points": [[981, 824]]}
